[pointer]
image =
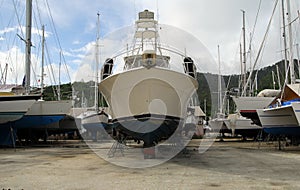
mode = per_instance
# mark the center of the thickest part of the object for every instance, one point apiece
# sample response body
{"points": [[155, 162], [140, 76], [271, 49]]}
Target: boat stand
{"points": [[259, 138], [282, 142], [12, 135], [279, 141], [118, 146]]}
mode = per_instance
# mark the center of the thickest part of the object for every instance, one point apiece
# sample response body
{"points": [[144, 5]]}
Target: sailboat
{"points": [[27, 114], [243, 126], [148, 100], [12, 108], [41, 112], [95, 120], [282, 116], [217, 123], [247, 105]]}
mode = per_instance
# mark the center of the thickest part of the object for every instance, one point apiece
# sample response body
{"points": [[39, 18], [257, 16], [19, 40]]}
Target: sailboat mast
{"points": [[278, 77], [256, 85], [43, 56], [97, 63], [244, 51], [205, 108], [273, 80], [219, 83], [291, 61], [28, 45], [284, 37], [241, 76], [58, 87], [297, 49]]}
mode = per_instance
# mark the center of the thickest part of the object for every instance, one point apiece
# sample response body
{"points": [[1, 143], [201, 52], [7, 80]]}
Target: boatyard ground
{"points": [[226, 165]]}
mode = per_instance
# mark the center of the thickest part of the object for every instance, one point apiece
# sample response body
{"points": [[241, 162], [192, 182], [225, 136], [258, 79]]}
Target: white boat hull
{"points": [[238, 122], [247, 106], [43, 113], [217, 124], [143, 100], [95, 123], [14, 110], [281, 120], [62, 107], [143, 91], [251, 103], [241, 125], [93, 120]]}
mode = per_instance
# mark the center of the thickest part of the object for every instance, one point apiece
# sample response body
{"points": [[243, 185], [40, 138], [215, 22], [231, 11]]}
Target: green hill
{"points": [[208, 85]]}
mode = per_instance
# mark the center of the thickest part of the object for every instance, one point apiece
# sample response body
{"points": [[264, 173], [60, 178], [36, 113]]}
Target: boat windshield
{"points": [[147, 60]]}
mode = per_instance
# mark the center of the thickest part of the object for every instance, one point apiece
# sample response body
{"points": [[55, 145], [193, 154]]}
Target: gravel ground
{"points": [[226, 165]]}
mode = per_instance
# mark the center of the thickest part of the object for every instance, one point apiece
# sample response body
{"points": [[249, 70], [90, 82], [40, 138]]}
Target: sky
{"points": [[71, 30]]}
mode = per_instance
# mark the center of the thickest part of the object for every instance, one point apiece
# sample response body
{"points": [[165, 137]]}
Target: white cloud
{"points": [[16, 65], [221, 25], [6, 30], [212, 22]]}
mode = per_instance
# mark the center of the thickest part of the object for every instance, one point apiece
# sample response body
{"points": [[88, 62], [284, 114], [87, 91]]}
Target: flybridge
{"points": [[146, 15]]}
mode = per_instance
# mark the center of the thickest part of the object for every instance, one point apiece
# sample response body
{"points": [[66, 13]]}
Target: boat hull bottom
{"points": [[251, 115], [250, 133], [285, 130], [95, 129], [147, 129], [37, 121]]}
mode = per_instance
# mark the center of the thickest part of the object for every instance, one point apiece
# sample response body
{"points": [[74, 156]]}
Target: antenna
{"points": [[157, 15], [134, 10]]}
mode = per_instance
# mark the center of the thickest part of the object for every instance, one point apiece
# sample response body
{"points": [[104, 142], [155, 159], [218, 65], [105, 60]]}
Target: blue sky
{"points": [[214, 22]]}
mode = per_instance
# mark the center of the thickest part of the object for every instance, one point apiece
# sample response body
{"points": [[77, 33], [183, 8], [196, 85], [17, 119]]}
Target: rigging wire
{"points": [[253, 33], [51, 73], [58, 41], [18, 18], [37, 49], [54, 87], [261, 46], [14, 67], [48, 65], [255, 22]]}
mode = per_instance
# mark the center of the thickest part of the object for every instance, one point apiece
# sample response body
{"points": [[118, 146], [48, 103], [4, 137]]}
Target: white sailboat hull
{"points": [[243, 126], [247, 106], [238, 122], [93, 119], [281, 120], [14, 110], [216, 124], [95, 123], [50, 108], [44, 113], [251, 103]]}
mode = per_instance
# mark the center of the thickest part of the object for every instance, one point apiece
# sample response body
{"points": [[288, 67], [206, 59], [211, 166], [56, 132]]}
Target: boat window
{"points": [[147, 60]]}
